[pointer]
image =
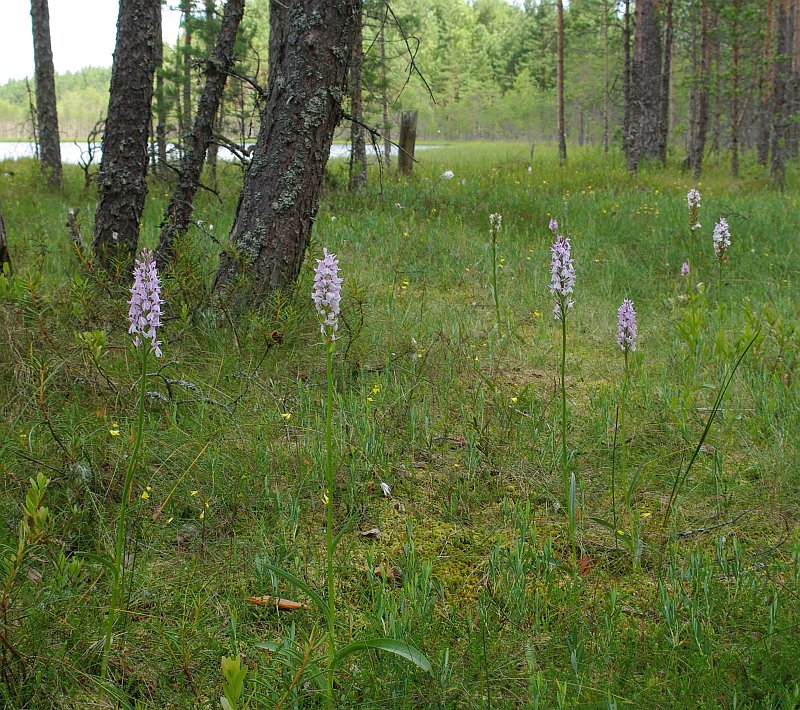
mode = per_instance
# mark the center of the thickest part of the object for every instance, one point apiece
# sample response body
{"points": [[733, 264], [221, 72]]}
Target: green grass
{"points": [[461, 421]]}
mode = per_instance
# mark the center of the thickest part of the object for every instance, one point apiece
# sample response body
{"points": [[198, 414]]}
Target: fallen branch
{"points": [[709, 528]]}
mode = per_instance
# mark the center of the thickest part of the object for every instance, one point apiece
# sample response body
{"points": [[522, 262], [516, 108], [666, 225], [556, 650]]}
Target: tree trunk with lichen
{"points": [[5, 257], [46, 113], [179, 210], [311, 45], [120, 181]]}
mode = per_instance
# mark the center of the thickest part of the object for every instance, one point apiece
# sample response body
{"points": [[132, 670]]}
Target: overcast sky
{"points": [[82, 32]]}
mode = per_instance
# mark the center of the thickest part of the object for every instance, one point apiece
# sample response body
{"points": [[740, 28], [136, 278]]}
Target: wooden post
{"points": [[408, 141], [5, 257]]}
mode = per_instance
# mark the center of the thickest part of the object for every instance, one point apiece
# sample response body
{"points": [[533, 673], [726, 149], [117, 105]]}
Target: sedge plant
{"points": [[144, 317], [562, 283]]}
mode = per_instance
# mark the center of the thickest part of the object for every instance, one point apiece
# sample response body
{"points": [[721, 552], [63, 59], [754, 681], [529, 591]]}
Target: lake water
{"points": [[71, 153]]}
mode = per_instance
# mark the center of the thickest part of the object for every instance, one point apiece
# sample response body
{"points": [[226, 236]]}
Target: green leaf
{"points": [[300, 584], [395, 646]]}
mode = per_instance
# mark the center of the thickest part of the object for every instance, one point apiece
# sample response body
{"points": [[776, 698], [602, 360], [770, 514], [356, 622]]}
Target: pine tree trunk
{"points": [[186, 79], [310, 49], [46, 112], [387, 128], [121, 178], [358, 147], [699, 140], [179, 210], [5, 256], [781, 94], [646, 77], [629, 117], [161, 111], [691, 121], [666, 68], [562, 138], [766, 81], [793, 131], [735, 90], [213, 149], [716, 123]]}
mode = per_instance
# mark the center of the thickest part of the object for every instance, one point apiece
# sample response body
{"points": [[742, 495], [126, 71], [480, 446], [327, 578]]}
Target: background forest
{"points": [[490, 65]]}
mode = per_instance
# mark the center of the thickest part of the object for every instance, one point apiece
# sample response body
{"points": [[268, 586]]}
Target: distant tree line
{"points": [[721, 72], [691, 77]]}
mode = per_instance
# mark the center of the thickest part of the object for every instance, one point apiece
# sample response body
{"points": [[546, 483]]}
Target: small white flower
{"points": [[386, 490], [530, 168], [448, 175], [333, 219]]}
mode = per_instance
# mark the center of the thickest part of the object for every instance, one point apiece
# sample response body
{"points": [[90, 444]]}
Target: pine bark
{"points": [[358, 146], [179, 210], [628, 122], [121, 178], [646, 78], [698, 142], [310, 50], [46, 111], [562, 138], [666, 68], [213, 148], [186, 79], [781, 96]]}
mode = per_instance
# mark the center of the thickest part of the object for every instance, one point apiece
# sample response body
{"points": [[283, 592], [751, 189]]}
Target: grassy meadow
{"points": [[693, 604]]}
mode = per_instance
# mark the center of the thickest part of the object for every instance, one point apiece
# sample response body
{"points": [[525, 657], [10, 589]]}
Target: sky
{"points": [[82, 33]]}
